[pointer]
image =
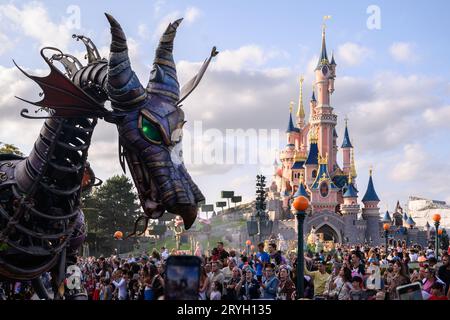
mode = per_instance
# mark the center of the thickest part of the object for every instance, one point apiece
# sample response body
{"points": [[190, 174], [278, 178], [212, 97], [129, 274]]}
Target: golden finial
{"points": [[291, 106], [346, 120], [324, 26], [313, 135], [301, 110], [323, 160], [302, 179], [370, 170], [350, 179]]}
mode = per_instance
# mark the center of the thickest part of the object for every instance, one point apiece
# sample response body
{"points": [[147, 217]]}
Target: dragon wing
{"points": [[63, 96]]}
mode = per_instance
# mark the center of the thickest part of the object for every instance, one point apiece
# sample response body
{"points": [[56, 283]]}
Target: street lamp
{"points": [[260, 224], [436, 219], [386, 227], [300, 205]]}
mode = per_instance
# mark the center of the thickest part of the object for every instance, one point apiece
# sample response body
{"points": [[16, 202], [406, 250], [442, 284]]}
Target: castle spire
{"points": [[323, 59], [291, 126], [301, 109], [346, 142], [370, 195]]}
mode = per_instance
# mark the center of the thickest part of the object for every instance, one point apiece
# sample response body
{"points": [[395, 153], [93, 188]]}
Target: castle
{"points": [[308, 166]]}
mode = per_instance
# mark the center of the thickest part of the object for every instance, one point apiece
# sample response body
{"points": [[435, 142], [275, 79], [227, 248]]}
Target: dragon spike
{"points": [[123, 86], [163, 77]]}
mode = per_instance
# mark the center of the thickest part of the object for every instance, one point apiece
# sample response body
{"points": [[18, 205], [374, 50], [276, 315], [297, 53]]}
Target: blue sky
{"points": [[392, 83]]}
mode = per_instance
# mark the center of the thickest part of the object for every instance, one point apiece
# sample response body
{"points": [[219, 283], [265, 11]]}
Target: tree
{"points": [[111, 207], [10, 148]]}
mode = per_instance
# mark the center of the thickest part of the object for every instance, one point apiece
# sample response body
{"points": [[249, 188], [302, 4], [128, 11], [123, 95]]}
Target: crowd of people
{"points": [[344, 273]]}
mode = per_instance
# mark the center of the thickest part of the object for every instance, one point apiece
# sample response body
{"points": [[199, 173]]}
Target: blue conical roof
{"points": [[387, 217], [313, 98], [410, 221], [351, 191], [333, 63], [370, 195], [301, 191], [323, 175], [346, 143], [323, 52], [313, 155], [291, 127], [405, 216]]}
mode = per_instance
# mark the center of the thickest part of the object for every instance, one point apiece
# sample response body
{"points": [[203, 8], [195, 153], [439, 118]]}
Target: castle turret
{"points": [[349, 210], [312, 105], [301, 190], [346, 150], [311, 162], [371, 212]]}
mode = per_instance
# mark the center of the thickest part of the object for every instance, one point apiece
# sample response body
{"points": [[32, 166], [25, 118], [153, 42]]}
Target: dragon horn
{"points": [[123, 86], [163, 77]]}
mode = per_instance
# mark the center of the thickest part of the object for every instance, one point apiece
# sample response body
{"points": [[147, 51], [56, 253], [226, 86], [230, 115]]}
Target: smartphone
{"points": [[411, 291], [182, 278]]}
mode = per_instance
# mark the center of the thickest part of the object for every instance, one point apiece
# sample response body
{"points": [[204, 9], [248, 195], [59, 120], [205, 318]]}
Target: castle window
{"points": [[314, 173]]}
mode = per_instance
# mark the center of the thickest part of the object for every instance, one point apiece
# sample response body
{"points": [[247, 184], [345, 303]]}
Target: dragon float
{"points": [[41, 222]]}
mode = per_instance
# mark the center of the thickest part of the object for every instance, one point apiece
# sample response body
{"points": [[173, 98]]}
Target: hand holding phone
{"points": [[182, 278]]}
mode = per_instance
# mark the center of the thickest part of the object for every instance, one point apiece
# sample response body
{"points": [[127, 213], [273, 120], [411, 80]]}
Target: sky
{"points": [[392, 79]]}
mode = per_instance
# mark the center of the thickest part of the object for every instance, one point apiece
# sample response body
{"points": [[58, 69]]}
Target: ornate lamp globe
{"points": [[118, 235], [436, 217], [440, 231], [248, 242], [301, 203], [386, 226]]}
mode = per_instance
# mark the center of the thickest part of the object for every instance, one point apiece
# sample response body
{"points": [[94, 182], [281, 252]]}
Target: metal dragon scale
{"points": [[41, 224]]}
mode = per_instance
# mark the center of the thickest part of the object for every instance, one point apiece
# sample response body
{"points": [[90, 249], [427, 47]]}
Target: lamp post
{"points": [[386, 227], [436, 219], [300, 205], [260, 224]]}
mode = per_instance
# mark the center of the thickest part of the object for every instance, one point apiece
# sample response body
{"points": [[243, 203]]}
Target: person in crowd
{"points": [[275, 255], [248, 287], [215, 275], [120, 282], [230, 292], [399, 278], [438, 291], [286, 287], [261, 259], [340, 288], [270, 285], [228, 270], [320, 278], [216, 291], [429, 280], [357, 292], [223, 254], [204, 284], [444, 272]]}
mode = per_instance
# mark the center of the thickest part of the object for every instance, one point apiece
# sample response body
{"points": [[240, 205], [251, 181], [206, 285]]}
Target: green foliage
{"points": [[10, 148], [111, 207]]}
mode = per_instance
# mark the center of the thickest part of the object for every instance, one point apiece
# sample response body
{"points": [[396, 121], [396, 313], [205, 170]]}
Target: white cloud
{"points": [[353, 54], [192, 14], [412, 164], [404, 52], [143, 31], [6, 42], [438, 117], [32, 20], [245, 57]]}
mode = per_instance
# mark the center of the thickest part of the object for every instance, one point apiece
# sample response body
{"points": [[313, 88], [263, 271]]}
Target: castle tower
{"points": [[324, 118], [323, 190], [349, 210], [311, 162], [371, 213], [346, 150]]}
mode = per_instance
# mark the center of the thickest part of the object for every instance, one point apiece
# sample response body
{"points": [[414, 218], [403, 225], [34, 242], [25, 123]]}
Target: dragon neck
{"points": [[56, 164]]}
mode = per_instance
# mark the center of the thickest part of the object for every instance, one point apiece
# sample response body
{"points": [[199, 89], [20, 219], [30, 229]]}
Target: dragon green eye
{"points": [[150, 131]]}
